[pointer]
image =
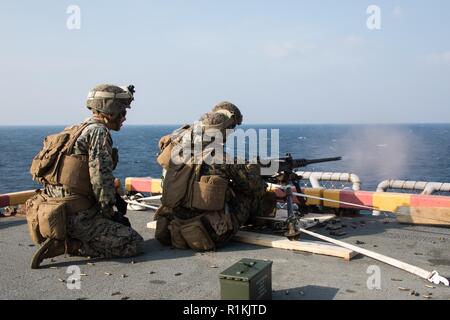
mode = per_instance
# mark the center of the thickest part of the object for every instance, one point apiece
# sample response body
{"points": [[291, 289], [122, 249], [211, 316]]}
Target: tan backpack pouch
{"points": [[177, 177], [162, 232], [196, 236], [46, 167], [32, 210], [164, 157], [45, 160], [52, 219], [220, 222], [175, 234], [209, 193], [46, 216]]}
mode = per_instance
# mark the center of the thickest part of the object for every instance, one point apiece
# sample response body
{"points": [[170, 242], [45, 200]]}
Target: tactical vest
{"points": [[185, 188], [183, 185], [56, 164]]}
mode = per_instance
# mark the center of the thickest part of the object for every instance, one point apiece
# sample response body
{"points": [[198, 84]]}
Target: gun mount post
{"points": [[288, 177]]}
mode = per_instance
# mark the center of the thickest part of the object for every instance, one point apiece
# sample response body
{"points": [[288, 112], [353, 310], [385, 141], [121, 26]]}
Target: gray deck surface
{"points": [[165, 273]]}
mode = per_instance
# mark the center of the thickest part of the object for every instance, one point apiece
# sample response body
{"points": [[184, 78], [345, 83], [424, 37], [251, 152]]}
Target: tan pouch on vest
{"points": [[164, 157], [220, 222], [176, 184], [46, 216], [32, 210], [194, 233], [44, 165], [162, 232], [52, 219], [175, 234], [74, 174], [167, 143], [209, 193]]}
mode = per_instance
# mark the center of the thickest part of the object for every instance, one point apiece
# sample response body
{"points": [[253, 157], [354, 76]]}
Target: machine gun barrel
{"points": [[288, 164], [297, 163]]}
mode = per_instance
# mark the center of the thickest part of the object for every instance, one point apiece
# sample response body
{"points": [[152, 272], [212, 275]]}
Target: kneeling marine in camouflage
{"points": [[74, 213]]}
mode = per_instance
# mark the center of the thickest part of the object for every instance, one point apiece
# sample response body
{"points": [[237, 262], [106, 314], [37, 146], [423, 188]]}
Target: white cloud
{"points": [[398, 12], [439, 58]]}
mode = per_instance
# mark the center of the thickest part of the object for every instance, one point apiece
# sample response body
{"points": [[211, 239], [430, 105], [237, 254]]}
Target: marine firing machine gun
{"points": [[286, 176]]}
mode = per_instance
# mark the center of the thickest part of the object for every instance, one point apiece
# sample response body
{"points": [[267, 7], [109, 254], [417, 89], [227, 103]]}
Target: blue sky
{"points": [[280, 61]]}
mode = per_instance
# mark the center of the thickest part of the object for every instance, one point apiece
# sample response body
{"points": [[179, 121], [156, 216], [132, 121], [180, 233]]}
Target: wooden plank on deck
{"points": [[279, 242], [424, 215]]}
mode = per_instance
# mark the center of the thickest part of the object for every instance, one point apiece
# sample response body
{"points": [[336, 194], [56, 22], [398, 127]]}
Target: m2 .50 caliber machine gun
{"points": [[286, 176]]}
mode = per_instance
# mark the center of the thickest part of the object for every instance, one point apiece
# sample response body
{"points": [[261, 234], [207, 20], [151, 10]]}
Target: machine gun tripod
{"points": [[286, 176], [290, 179]]}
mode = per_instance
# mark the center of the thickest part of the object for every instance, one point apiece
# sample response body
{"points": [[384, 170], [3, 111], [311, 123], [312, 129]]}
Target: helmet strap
{"points": [[113, 121]]}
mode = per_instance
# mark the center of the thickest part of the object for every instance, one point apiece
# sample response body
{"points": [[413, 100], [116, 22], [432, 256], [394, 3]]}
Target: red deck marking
{"points": [[357, 197], [4, 201], [141, 184], [430, 201]]}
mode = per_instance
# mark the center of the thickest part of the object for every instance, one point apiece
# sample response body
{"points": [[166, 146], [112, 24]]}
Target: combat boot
{"points": [[53, 248]]}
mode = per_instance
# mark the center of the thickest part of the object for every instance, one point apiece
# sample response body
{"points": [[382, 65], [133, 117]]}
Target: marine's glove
{"points": [[120, 218], [108, 212], [121, 205], [115, 157]]}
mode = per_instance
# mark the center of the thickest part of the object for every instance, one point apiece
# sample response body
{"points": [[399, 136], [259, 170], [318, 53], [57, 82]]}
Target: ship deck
{"points": [[165, 273]]}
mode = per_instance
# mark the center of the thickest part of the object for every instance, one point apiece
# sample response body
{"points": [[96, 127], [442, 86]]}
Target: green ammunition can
{"points": [[248, 279]]}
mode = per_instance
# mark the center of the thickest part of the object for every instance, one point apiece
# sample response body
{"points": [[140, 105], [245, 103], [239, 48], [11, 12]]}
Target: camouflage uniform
{"points": [[178, 220], [246, 189], [244, 200], [100, 236]]}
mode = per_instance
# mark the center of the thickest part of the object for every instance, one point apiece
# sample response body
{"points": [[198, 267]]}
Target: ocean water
{"points": [[373, 152]]}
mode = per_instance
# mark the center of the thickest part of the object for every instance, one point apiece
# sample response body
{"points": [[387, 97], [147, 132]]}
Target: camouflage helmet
{"points": [[110, 99], [211, 122], [230, 110], [212, 119]]}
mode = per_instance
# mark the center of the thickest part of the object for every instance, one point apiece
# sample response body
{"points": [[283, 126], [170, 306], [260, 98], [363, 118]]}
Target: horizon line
{"points": [[243, 125]]}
